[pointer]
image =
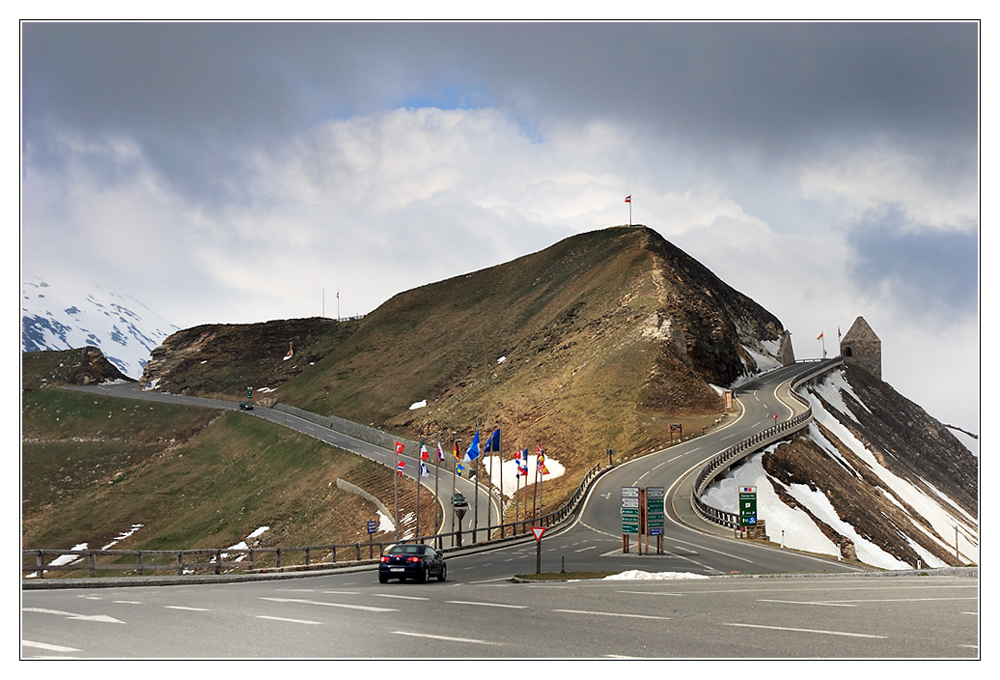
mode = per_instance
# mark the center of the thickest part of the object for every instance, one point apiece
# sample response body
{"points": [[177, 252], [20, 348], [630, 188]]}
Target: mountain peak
{"points": [[58, 317]]}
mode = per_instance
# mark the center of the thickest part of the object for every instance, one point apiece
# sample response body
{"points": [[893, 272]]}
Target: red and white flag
{"points": [[819, 337], [400, 466], [399, 448], [628, 199]]}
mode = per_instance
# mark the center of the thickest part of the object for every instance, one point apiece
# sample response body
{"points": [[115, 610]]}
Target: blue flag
{"points": [[458, 469], [493, 443], [473, 451]]}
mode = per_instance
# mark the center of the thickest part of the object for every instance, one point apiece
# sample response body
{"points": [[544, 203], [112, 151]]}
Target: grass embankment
{"points": [[94, 466]]}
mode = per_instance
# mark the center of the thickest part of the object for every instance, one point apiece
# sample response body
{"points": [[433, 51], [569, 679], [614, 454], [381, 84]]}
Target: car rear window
{"points": [[407, 550]]}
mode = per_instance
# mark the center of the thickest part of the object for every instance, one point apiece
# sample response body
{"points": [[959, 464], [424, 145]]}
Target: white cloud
{"points": [[869, 177]]}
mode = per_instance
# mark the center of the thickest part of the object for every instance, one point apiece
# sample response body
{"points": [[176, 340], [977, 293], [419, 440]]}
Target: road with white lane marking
{"points": [[350, 615]]}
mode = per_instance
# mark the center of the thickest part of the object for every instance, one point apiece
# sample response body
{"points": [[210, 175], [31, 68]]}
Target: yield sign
{"points": [[538, 531]]}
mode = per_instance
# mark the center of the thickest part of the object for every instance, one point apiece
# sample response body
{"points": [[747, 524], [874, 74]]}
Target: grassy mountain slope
{"points": [[601, 340], [94, 466]]}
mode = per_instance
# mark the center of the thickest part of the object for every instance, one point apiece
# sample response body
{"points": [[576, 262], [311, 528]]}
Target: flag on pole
{"points": [[493, 443], [458, 469], [473, 451], [423, 451], [522, 461], [628, 199], [440, 452], [399, 447], [399, 467], [819, 337], [540, 458], [424, 472]]}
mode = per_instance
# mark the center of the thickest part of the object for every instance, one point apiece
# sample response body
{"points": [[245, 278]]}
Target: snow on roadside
{"points": [[637, 575]]}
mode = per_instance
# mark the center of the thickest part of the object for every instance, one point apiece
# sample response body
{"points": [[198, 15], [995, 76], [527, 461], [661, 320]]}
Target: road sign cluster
{"points": [[642, 514]]}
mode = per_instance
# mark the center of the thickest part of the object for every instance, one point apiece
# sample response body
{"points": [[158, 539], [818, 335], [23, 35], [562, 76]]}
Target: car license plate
{"points": [[396, 569]]}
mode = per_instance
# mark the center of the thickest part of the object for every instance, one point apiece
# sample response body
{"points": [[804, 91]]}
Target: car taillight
{"points": [[412, 558], [384, 558]]}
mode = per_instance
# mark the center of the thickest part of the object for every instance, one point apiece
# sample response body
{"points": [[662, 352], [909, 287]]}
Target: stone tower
{"points": [[861, 347]]}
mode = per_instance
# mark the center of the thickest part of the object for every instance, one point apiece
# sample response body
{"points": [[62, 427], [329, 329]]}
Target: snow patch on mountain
{"points": [[59, 317], [794, 528]]}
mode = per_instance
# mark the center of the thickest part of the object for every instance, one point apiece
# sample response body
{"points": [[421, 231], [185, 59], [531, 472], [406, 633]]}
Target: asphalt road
{"points": [[351, 615]]}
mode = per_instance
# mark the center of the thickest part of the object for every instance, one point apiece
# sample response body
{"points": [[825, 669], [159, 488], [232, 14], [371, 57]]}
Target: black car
{"points": [[246, 406], [411, 560]]}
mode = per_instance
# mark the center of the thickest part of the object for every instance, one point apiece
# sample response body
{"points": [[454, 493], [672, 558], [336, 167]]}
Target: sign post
{"points": [[654, 516], [748, 506], [630, 514], [372, 527], [538, 531]]}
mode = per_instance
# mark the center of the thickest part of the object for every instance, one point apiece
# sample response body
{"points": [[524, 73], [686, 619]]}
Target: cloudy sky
{"points": [[229, 172]]}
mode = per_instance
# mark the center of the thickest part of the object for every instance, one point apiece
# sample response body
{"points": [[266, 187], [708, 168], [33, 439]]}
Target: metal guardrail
{"points": [[725, 459]]}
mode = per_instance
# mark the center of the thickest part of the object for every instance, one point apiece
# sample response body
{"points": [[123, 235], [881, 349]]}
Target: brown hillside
{"points": [[605, 338]]}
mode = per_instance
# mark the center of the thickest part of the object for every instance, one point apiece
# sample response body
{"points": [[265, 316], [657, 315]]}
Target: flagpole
{"points": [[541, 481], [416, 532], [517, 493], [395, 487], [475, 518], [437, 476], [500, 457], [534, 490], [454, 471]]}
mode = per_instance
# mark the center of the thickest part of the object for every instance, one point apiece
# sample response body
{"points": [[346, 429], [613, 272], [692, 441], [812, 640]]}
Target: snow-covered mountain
{"points": [[873, 478], [55, 317]]}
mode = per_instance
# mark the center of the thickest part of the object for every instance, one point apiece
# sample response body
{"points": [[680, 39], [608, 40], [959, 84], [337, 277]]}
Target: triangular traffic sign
{"points": [[538, 531]]}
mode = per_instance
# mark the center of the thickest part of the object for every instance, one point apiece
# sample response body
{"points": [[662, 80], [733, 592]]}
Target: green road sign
{"points": [[748, 506], [654, 510]]}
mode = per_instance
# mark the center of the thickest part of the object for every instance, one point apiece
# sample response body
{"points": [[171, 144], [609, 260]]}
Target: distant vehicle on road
{"points": [[411, 560], [246, 406]]}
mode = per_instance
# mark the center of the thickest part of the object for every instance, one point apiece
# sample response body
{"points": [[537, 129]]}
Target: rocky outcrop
{"points": [[83, 366]]}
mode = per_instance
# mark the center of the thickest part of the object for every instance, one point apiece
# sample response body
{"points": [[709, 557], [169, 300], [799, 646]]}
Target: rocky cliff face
{"points": [[83, 366]]}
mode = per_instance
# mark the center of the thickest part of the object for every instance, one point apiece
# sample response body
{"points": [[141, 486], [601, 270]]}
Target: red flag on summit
{"points": [[628, 199], [819, 337]]}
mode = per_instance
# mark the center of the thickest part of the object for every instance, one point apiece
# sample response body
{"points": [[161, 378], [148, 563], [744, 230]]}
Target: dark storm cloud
{"points": [[928, 271], [762, 85]]}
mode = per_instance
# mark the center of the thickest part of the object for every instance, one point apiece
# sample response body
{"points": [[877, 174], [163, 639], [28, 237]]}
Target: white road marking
{"points": [[328, 604], [627, 616], [444, 637], [70, 615], [489, 604], [402, 597], [126, 602], [279, 618], [806, 630], [47, 647], [184, 608], [818, 604]]}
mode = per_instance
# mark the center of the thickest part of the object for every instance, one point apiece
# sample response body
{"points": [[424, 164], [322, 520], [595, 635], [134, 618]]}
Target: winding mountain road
{"points": [[481, 612]]}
